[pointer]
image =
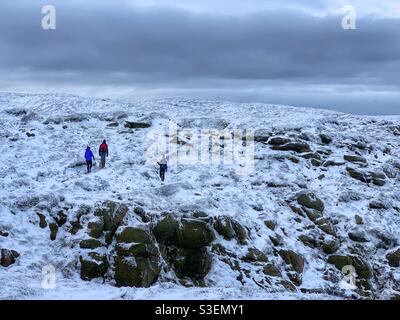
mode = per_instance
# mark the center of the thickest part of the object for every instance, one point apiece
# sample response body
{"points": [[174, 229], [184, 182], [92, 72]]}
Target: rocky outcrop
{"points": [[137, 263], [184, 243]]}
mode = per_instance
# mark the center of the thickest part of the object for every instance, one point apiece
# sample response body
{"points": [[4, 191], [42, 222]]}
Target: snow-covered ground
{"points": [[42, 142]]}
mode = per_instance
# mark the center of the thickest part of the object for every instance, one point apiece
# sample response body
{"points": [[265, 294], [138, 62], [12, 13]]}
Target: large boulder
{"points": [[136, 125], [393, 258], [131, 271], [255, 255], [192, 263], [8, 257], [299, 147], [224, 226], [194, 233], [229, 229], [362, 268], [93, 265], [166, 231], [354, 159], [294, 259], [310, 200], [134, 235]]}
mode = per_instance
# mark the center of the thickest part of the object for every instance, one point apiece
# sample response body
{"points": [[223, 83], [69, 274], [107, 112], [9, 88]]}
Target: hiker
{"points": [[89, 156], [103, 152], [163, 167]]}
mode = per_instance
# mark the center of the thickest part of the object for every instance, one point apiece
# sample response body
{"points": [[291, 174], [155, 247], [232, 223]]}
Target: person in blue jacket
{"points": [[89, 156]]}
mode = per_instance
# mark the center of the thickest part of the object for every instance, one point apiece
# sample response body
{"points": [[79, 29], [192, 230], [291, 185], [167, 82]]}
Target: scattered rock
{"points": [[4, 234], [136, 125], [308, 241], [310, 200], [270, 224], [271, 270], [294, 259], [42, 220], [325, 139], [355, 159], [53, 231], [376, 205], [30, 134], [359, 220], [393, 258], [8, 257], [330, 246], [95, 228], [299, 147], [277, 141], [358, 235], [255, 255]]}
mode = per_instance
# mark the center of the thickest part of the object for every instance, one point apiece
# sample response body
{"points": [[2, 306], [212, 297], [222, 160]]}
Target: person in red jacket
{"points": [[103, 153]]}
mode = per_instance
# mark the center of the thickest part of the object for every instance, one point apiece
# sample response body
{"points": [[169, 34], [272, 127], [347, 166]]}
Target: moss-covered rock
{"points": [[362, 268], [136, 125], [241, 233], [143, 250], [61, 218], [42, 220], [310, 200], [224, 226], [134, 235], [8, 257], [255, 255], [93, 265], [166, 231], [393, 258], [330, 246], [95, 228], [90, 244], [294, 259], [135, 271], [308, 241], [271, 270], [53, 231], [192, 263], [194, 233], [270, 224]]}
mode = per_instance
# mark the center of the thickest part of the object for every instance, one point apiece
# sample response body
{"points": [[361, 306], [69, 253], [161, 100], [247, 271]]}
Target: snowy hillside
{"points": [[323, 195]]}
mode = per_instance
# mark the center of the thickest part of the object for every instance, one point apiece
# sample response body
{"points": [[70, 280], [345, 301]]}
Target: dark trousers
{"points": [[103, 159], [89, 165], [162, 174]]}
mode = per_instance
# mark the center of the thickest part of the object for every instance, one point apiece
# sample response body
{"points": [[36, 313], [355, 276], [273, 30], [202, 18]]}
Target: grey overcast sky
{"points": [[286, 52]]}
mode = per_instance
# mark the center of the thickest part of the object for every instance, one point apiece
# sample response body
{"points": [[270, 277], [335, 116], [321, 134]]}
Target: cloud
{"points": [[172, 50]]}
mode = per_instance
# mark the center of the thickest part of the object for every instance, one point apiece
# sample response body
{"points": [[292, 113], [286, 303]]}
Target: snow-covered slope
{"points": [[42, 142]]}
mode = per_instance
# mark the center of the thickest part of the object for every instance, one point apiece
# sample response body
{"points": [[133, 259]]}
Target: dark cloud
{"points": [[272, 56]]}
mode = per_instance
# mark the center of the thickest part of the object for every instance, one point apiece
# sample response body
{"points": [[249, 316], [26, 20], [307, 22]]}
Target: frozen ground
{"points": [[42, 142]]}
